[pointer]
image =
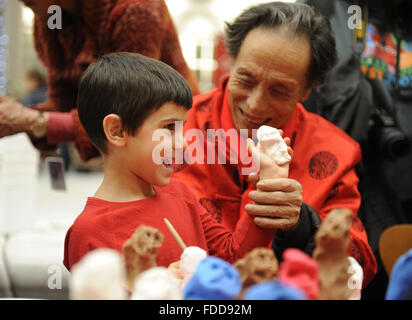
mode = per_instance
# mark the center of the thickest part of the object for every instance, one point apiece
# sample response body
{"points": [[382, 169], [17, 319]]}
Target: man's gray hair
{"points": [[299, 19]]}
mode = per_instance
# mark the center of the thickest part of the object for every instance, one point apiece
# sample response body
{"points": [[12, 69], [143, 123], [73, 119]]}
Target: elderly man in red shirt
{"points": [[280, 52]]}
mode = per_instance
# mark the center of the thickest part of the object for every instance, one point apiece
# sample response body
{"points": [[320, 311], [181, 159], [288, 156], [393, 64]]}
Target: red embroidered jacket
{"points": [[323, 163]]}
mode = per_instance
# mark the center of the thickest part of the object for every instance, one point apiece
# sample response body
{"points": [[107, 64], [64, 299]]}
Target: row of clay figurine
{"points": [[329, 274]]}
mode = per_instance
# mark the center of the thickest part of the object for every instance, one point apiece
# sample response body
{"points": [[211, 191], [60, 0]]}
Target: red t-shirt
{"points": [[105, 224]]}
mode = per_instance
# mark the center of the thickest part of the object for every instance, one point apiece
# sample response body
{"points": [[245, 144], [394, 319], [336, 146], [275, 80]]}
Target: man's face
{"points": [[268, 78]]}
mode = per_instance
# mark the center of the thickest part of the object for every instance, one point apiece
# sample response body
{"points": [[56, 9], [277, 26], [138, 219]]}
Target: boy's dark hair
{"points": [[300, 19], [129, 85]]}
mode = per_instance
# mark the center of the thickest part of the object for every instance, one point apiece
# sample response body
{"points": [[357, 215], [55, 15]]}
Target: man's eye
{"points": [[278, 93], [170, 126], [246, 82]]}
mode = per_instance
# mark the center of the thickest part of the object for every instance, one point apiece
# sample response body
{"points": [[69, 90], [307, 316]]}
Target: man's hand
{"points": [[278, 199], [277, 203], [14, 117]]}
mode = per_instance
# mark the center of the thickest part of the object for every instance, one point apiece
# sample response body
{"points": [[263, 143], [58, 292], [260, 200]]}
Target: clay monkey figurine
{"points": [[257, 266], [140, 251], [331, 254]]}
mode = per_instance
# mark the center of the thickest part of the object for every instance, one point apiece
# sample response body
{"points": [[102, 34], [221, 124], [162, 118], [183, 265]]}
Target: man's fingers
{"points": [[290, 152], [280, 184], [253, 178], [276, 197], [254, 152], [288, 142], [268, 210], [272, 223], [252, 149], [250, 145]]}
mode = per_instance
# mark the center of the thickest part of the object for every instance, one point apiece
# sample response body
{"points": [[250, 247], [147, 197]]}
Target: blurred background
{"points": [[199, 24]]}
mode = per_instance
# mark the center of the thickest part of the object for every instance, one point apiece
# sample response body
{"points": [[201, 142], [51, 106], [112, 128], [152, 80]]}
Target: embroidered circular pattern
{"points": [[357, 224], [322, 165], [356, 252]]}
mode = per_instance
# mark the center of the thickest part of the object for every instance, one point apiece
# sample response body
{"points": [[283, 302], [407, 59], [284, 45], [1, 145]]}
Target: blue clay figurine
{"points": [[214, 279], [273, 290], [400, 283]]}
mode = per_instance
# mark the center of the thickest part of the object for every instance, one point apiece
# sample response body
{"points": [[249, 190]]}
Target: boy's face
{"points": [[140, 147]]}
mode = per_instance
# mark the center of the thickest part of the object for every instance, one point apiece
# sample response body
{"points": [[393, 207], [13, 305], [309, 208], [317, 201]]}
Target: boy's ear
{"points": [[112, 126]]}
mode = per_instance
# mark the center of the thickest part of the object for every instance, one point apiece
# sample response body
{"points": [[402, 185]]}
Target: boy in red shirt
{"points": [[123, 99]]}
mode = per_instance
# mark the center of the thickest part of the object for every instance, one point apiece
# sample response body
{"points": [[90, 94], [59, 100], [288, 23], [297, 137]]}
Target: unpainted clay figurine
{"points": [[274, 158], [272, 143], [257, 266], [140, 251], [99, 275], [189, 260], [156, 284], [331, 254]]}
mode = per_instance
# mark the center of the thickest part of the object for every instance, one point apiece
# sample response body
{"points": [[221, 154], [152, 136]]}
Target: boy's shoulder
{"points": [[92, 216], [91, 229]]}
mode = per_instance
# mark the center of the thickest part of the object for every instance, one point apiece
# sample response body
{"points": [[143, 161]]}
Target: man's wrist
{"points": [[295, 229], [302, 237]]}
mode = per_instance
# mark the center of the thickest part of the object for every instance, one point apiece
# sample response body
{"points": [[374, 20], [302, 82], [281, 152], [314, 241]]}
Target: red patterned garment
{"points": [[323, 163], [100, 27]]}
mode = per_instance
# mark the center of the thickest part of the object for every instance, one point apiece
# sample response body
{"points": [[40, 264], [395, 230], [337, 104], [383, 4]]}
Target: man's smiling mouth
{"points": [[252, 120]]}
